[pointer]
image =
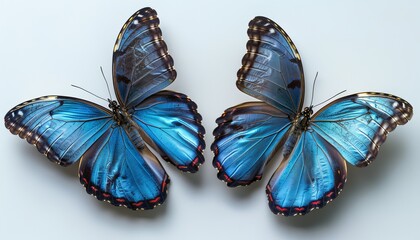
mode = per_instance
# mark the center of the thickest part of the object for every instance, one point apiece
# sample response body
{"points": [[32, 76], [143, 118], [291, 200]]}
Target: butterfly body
{"points": [[313, 147], [304, 119], [120, 115], [112, 144]]}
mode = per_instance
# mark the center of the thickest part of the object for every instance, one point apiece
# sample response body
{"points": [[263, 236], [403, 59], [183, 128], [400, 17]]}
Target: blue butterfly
{"points": [[314, 147], [115, 163]]}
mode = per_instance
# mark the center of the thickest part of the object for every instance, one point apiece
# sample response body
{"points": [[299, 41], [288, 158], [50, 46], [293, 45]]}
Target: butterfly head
{"points": [[307, 112], [113, 104]]}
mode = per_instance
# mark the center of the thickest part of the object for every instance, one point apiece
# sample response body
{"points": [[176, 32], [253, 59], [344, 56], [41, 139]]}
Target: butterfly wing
{"points": [[141, 63], [114, 170], [248, 134], [173, 126], [312, 175], [272, 69], [349, 129], [62, 128], [67, 129], [358, 124], [246, 137]]}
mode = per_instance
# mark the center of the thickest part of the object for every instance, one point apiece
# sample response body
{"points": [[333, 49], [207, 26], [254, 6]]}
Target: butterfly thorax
{"points": [[303, 119], [120, 116], [300, 124], [123, 119]]}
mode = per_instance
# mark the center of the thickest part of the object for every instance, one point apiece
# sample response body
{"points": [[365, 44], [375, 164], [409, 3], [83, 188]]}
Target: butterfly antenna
{"points": [[313, 89], [330, 98], [107, 85], [89, 92]]}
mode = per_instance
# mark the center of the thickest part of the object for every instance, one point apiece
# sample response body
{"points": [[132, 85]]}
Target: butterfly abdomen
{"points": [[135, 136]]}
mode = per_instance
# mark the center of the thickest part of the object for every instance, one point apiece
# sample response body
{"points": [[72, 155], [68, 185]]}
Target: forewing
{"points": [[62, 128], [246, 137], [141, 63], [114, 170], [358, 124], [312, 175], [272, 69], [172, 125]]}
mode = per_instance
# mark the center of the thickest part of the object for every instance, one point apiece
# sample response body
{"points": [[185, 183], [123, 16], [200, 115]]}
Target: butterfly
{"points": [[115, 163], [314, 148]]}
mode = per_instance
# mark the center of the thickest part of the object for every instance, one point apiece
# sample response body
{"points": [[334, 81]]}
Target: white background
{"points": [[358, 46]]}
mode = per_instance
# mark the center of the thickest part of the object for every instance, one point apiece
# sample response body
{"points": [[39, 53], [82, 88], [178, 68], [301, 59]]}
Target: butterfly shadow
{"points": [[195, 180], [360, 181], [158, 212], [42, 161]]}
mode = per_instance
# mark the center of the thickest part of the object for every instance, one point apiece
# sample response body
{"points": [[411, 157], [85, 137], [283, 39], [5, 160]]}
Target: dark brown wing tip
{"points": [[146, 13], [263, 25], [405, 108], [11, 120], [144, 16], [259, 21]]}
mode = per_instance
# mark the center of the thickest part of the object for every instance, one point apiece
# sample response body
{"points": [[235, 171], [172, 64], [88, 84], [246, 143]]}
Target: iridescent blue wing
{"points": [[62, 128], [272, 68], [115, 170], [67, 129], [142, 67], [312, 175], [246, 137], [173, 127], [141, 63], [358, 124], [351, 128]]}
